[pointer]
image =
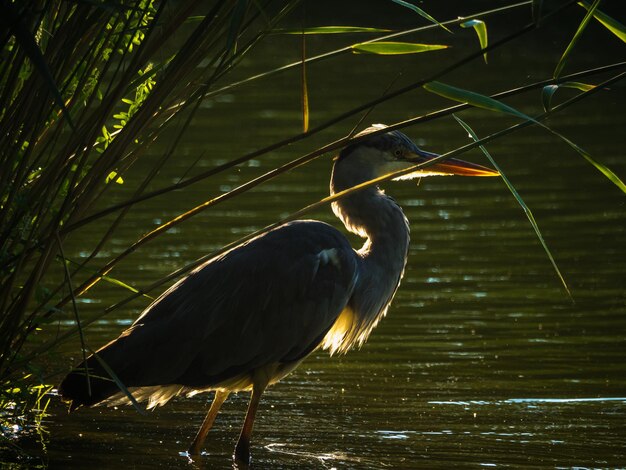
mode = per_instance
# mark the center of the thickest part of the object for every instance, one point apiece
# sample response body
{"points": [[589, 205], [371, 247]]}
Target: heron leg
{"points": [[218, 400], [242, 449]]}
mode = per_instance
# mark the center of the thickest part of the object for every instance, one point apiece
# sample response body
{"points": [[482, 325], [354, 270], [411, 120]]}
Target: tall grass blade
{"points": [[520, 201], [481, 31], [420, 12], [486, 102], [68, 279], [13, 23], [328, 55], [472, 98], [548, 92], [579, 31], [394, 48], [114, 281], [608, 22], [305, 91], [331, 30], [599, 166]]}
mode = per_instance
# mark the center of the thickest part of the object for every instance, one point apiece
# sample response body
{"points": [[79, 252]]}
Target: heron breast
{"points": [[337, 338]]}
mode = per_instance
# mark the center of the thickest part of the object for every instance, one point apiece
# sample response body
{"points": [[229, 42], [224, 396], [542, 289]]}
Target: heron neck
{"points": [[375, 216]]}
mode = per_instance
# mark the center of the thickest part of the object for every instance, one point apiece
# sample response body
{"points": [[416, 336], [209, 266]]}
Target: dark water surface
{"points": [[482, 361]]}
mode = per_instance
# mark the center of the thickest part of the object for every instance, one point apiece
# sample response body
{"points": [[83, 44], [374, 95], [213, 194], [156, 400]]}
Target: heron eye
{"points": [[398, 153]]}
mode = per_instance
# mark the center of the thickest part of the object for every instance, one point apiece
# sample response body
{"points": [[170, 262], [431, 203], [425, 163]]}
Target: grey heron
{"points": [[246, 319]]}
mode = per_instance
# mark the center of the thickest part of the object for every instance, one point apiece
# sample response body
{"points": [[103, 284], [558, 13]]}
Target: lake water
{"points": [[483, 360]]}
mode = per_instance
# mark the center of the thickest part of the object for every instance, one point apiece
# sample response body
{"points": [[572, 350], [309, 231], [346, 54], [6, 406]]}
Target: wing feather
{"points": [[270, 300]]}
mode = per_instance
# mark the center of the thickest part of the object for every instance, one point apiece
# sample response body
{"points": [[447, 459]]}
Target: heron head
{"points": [[385, 153]]}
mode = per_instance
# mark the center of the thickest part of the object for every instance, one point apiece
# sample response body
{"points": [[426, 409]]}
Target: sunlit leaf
{"points": [[481, 31], [549, 90], [331, 30], [579, 31], [609, 23], [111, 280], [546, 96], [520, 201], [305, 91], [113, 176], [194, 19], [474, 99], [420, 12], [599, 166], [14, 24], [486, 102], [117, 282], [394, 48]]}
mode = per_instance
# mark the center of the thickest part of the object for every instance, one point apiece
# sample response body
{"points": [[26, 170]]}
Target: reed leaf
{"points": [[617, 28], [485, 102], [342, 50], [14, 24], [574, 40], [548, 91], [421, 12], [520, 201], [331, 30], [475, 99], [480, 27], [394, 48], [305, 90]]}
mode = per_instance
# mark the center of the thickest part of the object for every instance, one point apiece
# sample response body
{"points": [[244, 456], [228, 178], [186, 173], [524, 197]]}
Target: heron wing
{"points": [[271, 300]]}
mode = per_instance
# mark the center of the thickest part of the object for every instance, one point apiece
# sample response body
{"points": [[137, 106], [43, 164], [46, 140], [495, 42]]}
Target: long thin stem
{"points": [[295, 138]]}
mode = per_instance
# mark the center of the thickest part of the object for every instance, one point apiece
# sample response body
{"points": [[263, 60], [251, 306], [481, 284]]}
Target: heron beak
{"points": [[451, 166]]}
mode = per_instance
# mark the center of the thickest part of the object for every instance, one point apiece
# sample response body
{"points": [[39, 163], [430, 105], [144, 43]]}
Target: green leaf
{"points": [[114, 177], [474, 99], [305, 90], [331, 30], [579, 31], [599, 166], [546, 96], [609, 23], [13, 22], [394, 48], [420, 12], [117, 282], [486, 102], [481, 31], [549, 90], [520, 201]]}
